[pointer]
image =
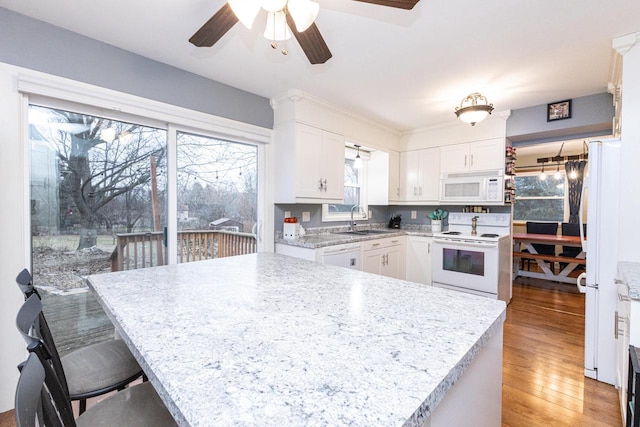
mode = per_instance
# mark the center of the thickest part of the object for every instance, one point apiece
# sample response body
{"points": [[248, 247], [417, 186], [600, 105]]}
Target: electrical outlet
{"points": [[306, 216], [414, 214], [287, 214]]}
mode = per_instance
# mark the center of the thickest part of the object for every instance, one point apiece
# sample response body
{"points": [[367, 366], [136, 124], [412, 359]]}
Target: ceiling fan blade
{"points": [[311, 42], [400, 4], [216, 27]]}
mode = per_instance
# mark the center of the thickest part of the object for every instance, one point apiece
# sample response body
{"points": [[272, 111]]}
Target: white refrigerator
{"points": [[602, 194]]}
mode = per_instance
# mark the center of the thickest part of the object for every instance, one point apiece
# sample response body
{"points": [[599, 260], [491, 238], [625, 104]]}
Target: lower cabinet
{"points": [[627, 333], [385, 256], [419, 259]]}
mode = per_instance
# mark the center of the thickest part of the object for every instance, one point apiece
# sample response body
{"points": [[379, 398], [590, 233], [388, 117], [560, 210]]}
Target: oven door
{"points": [[472, 266]]}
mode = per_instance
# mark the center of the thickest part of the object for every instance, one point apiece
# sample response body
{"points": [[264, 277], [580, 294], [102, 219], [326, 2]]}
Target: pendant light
{"points": [[558, 175], [542, 174], [357, 163]]}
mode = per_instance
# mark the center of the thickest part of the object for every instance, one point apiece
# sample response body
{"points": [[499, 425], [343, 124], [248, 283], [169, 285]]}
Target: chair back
{"points": [[571, 229], [34, 330], [543, 228], [33, 401], [25, 283]]}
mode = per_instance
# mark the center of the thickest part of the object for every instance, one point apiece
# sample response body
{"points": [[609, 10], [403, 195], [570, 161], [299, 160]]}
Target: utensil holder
{"points": [[436, 225]]}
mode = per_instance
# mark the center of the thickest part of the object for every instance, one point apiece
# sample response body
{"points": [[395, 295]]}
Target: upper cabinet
{"points": [[473, 156], [394, 176], [309, 165], [420, 175]]}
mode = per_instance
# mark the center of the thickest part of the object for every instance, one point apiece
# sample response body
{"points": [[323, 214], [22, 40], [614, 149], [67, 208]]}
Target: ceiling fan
{"points": [[285, 17]]}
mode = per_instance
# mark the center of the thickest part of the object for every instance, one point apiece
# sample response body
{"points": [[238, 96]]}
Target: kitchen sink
{"points": [[366, 232]]}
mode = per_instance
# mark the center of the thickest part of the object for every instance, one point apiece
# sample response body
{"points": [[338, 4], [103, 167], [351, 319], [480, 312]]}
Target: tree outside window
{"points": [[539, 200]]}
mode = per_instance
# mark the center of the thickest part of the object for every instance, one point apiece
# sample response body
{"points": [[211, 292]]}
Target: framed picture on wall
{"points": [[559, 110]]}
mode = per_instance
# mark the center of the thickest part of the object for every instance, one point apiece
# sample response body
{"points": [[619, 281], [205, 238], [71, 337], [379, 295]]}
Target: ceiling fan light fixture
{"points": [[303, 12], [473, 109], [277, 28], [273, 5], [245, 10]]}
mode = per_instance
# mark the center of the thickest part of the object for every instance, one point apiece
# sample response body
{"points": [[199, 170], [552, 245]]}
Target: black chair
{"points": [[40, 392], [540, 228], [89, 371], [569, 229]]}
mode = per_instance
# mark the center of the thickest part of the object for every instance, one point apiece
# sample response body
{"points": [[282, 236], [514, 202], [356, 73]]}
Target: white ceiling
{"points": [[404, 69]]}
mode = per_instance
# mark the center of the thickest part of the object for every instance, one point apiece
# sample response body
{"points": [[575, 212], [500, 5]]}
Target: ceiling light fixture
{"points": [[474, 109], [543, 176], [303, 12], [357, 163], [557, 175]]}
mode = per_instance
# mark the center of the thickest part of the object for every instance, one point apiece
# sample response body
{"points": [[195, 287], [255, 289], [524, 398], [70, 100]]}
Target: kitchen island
{"points": [[270, 340]]}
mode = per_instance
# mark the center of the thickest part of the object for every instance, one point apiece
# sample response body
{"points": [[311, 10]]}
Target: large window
{"points": [[354, 192], [540, 200]]}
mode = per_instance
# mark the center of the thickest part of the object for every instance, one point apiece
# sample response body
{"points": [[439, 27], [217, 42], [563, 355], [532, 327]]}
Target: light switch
{"points": [[306, 216], [414, 214]]}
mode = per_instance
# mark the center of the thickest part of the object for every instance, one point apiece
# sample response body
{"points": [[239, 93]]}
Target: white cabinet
{"points": [[384, 256], [309, 165], [418, 268], [627, 333], [473, 156], [394, 176], [420, 175]]}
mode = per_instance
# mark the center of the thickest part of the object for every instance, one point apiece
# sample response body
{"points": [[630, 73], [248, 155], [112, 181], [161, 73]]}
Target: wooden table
{"points": [[528, 239]]}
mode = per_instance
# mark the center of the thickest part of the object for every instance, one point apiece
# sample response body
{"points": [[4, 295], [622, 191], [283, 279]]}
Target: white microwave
{"points": [[484, 188]]}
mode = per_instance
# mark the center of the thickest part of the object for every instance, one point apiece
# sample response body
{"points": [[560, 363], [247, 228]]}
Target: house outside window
{"points": [[355, 193], [540, 200]]}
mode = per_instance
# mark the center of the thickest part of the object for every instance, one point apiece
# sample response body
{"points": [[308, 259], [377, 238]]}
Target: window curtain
{"points": [[575, 167]]}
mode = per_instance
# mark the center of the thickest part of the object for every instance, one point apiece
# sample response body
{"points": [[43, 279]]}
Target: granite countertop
{"points": [[331, 237], [630, 274], [270, 340]]}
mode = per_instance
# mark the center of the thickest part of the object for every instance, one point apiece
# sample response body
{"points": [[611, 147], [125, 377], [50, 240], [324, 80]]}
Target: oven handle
{"points": [[476, 244]]}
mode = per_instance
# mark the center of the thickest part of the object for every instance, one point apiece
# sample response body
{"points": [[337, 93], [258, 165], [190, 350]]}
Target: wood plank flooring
{"points": [[543, 382]]}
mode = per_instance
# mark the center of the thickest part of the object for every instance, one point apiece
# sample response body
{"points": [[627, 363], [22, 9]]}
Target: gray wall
{"points": [[39, 46], [590, 116]]}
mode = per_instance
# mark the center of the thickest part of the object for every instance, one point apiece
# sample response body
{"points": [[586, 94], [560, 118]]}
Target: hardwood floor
{"points": [[543, 383]]}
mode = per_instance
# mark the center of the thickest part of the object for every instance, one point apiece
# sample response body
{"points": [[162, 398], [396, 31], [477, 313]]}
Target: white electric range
{"points": [[479, 264]]}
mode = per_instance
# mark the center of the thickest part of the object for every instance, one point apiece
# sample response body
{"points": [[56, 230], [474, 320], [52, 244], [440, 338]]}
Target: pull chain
{"points": [[274, 45], [285, 51]]}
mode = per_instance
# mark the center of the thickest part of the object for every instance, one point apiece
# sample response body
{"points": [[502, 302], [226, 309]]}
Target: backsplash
{"points": [[380, 214]]}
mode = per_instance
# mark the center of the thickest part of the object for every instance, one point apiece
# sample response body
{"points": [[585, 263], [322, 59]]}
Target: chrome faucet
{"points": [[352, 225], [474, 224]]}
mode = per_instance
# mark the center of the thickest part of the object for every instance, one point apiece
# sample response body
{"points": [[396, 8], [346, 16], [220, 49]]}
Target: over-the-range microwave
{"points": [[484, 187]]}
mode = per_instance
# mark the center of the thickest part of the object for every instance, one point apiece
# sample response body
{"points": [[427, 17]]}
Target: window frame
{"points": [[327, 216], [564, 198]]}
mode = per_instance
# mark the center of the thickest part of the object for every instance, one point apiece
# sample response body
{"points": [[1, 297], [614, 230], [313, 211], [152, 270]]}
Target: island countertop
{"points": [[270, 340]]}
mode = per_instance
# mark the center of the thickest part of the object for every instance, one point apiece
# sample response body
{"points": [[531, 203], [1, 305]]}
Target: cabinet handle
{"points": [[615, 326], [398, 192], [394, 241], [465, 160], [415, 191], [325, 185], [320, 184], [429, 250], [472, 160], [375, 244]]}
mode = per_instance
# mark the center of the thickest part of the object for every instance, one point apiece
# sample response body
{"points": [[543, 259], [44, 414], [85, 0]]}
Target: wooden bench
{"points": [[550, 258]]}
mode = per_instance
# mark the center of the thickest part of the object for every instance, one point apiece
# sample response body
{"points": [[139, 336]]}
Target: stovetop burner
{"points": [[489, 235], [452, 233]]}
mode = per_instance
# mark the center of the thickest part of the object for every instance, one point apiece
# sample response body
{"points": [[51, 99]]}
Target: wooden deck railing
{"points": [[141, 250]]}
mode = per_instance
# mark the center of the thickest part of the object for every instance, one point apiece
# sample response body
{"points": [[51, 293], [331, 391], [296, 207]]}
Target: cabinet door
{"points": [[454, 158], [393, 263], [409, 175], [418, 265], [486, 155], [308, 161], [332, 165], [429, 175], [394, 176], [372, 261]]}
